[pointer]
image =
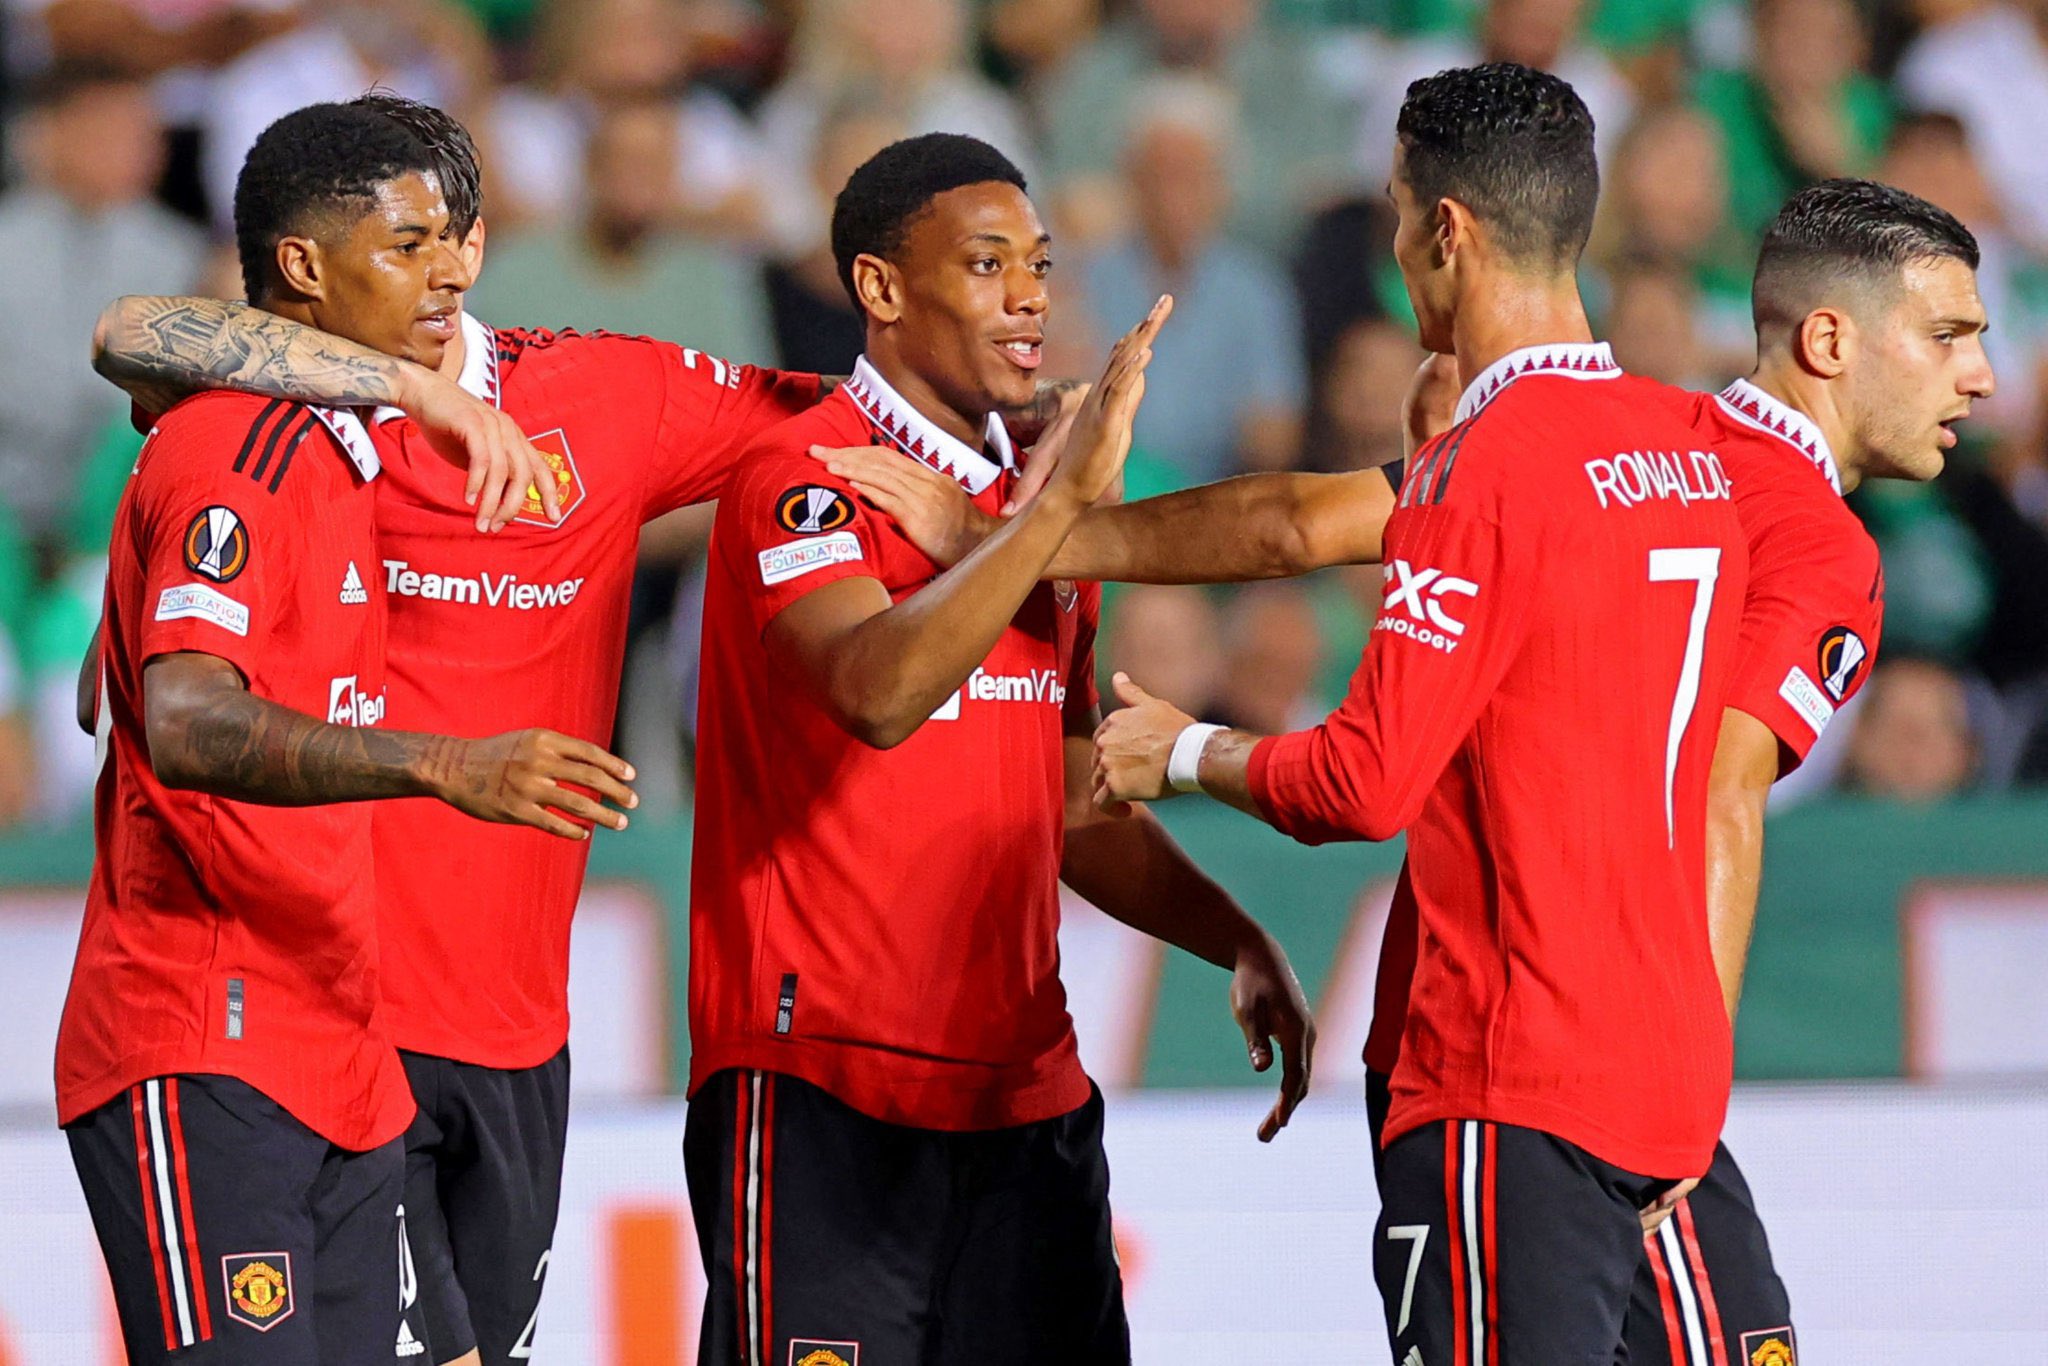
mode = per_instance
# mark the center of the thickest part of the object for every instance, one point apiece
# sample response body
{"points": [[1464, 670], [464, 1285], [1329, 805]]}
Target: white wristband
{"points": [[1184, 765]]}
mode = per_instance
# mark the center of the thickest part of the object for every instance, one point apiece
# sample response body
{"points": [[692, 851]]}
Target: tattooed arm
{"points": [[163, 348], [208, 733]]}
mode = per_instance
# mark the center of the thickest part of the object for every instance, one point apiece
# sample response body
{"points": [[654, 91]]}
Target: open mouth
{"points": [[1948, 430], [1024, 352], [440, 323]]}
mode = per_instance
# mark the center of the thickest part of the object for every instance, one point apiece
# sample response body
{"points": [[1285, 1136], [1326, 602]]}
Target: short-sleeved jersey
{"points": [[224, 937], [1537, 706], [527, 627], [883, 924]]}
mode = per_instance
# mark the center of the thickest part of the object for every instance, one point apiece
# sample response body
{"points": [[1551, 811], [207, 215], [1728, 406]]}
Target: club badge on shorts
{"points": [[1770, 1347], [259, 1288], [812, 1352]]}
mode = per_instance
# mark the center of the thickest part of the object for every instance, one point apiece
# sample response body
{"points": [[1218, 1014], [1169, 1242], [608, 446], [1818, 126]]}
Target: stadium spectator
{"points": [[1172, 629], [1986, 62], [1294, 142], [1913, 738], [624, 266], [80, 229], [1652, 322], [1355, 421], [594, 53], [1545, 34], [1803, 111], [1027, 38], [1272, 661], [911, 58], [1226, 387]]}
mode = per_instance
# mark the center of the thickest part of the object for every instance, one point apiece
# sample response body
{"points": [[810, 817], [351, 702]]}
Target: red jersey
{"points": [[527, 627], [224, 937], [883, 924], [1537, 706], [1811, 615]]}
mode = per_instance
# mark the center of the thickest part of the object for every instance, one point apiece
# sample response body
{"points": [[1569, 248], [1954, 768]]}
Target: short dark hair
{"points": [[319, 162], [1848, 235], [1512, 144], [896, 184], [453, 150]]}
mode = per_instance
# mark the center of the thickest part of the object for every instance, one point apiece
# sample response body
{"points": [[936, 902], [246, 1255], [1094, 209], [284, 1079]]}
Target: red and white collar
{"points": [[1573, 360], [479, 377], [1753, 407], [918, 436]]}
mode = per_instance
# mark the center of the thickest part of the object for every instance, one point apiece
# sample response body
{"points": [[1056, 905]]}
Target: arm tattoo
{"points": [[191, 343], [1045, 404], [251, 749]]}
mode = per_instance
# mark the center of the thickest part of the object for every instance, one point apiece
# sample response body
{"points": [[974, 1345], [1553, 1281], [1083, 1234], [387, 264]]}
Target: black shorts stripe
{"points": [[284, 460], [255, 434]]}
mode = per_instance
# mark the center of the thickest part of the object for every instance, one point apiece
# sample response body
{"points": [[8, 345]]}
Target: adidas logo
{"points": [[353, 594], [408, 1345]]}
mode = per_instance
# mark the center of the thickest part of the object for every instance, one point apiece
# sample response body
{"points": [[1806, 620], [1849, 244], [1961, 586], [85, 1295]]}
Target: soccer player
{"points": [[232, 1102], [1564, 591], [893, 1152], [486, 632]]}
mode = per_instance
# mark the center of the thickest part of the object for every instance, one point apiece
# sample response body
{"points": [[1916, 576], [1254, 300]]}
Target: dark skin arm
{"points": [[1745, 766], [89, 684], [1134, 871], [208, 733]]}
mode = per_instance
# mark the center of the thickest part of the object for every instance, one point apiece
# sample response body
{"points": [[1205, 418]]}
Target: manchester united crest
{"points": [[811, 1352], [259, 1286], [1770, 1347], [569, 492]]}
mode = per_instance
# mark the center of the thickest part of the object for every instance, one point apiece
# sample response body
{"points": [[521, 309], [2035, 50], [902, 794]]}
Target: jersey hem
{"points": [[77, 1101], [1664, 1161]]}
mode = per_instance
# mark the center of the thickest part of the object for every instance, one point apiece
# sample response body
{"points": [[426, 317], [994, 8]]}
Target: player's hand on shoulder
{"points": [[1431, 405], [1132, 746], [1092, 459], [540, 778], [505, 470], [1267, 999], [931, 508]]}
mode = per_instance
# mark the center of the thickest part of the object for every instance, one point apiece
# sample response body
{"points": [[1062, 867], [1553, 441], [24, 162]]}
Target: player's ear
{"points": [[1824, 341], [879, 287], [473, 249], [300, 268], [1455, 229]]}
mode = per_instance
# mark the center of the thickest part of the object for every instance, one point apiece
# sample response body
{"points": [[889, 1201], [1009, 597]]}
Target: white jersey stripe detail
{"points": [[756, 1348], [1688, 1302], [1473, 1262], [160, 1161]]}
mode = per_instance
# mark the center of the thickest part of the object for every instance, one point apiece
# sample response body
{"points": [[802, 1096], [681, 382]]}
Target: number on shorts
{"points": [[1418, 1234], [523, 1348]]}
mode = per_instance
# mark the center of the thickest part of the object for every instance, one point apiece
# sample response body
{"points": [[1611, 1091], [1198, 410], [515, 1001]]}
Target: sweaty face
{"points": [[394, 280], [1919, 370], [972, 272], [1422, 269]]}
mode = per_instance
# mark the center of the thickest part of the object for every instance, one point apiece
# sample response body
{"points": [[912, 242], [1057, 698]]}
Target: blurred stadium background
{"points": [[664, 167]]}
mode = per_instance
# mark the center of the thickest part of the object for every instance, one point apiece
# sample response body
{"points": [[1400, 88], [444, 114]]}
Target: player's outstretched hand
{"points": [[540, 778], [1267, 1000], [1045, 452], [1430, 406], [1132, 746], [504, 468], [931, 508], [1092, 460], [1657, 1211]]}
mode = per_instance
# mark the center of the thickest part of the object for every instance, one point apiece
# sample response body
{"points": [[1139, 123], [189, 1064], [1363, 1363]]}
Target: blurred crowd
{"points": [[665, 167]]}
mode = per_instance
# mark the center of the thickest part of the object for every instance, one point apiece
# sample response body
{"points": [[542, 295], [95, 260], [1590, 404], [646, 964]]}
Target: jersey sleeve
{"points": [[711, 410], [1810, 629], [786, 528], [219, 550], [1453, 615]]}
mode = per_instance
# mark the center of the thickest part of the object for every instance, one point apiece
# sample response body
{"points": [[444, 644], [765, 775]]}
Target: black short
{"points": [[1708, 1291], [833, 1239], [233, 1233], [1505, 1245], [483, 1184]]}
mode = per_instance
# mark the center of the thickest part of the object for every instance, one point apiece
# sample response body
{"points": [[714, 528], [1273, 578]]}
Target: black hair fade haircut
{"points": [[1848, 239], [896, 184], [453, 150], [1512, 144], [313, 166]]}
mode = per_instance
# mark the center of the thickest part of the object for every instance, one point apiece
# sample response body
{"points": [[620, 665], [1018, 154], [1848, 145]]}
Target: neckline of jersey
{"points": [[1754, 407], [1572, 360], [920, 438]]}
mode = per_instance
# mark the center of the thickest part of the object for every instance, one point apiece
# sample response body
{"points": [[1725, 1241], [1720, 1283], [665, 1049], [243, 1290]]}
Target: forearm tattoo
{"points": [[245, 747], [191, 343]]}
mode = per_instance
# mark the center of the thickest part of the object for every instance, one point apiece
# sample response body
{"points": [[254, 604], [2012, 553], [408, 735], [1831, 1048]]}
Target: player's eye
{"points": [[409, 248], [1042, 267], [986, 265], [1945, 338]]}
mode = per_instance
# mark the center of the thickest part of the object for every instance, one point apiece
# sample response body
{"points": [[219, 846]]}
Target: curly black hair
{"points": [[315, 165], [1512, 144], [898, 183], [1848, 235], [462, 177]]}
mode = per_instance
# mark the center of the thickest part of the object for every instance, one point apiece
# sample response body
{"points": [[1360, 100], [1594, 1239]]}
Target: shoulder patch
{"points": [[1842, 657], [794, 559], [217, 544], [812, 509]]}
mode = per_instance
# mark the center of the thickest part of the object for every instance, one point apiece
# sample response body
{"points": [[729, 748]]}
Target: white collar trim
{"points": [[479, 377], [1572, 360], [346, 426], [1751, 406], [916, 435]]}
